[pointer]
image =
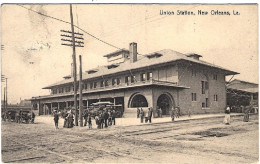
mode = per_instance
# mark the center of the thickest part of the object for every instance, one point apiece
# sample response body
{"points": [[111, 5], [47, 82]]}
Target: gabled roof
{"points": [[142, 62], [242, 81], [116, 53]]}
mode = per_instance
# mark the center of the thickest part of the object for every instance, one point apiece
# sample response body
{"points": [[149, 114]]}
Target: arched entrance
{"points": [[138, 100], [165, 102]]}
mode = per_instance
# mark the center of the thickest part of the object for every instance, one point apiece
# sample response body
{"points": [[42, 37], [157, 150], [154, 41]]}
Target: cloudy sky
{"points": [[33, 56]]}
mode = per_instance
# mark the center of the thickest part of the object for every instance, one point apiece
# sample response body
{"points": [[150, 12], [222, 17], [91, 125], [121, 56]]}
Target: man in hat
{"points": [[56, 119]]}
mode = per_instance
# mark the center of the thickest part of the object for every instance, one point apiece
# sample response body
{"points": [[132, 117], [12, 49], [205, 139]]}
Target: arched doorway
{"points": [[138, 100], [165, 102]]}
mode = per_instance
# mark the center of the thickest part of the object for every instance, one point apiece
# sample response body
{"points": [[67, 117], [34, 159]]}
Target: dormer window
{"points": [[154, 55], [92, 71], [112, 66]]}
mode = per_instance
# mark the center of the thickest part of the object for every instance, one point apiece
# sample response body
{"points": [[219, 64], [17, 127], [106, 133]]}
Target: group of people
{"points": [[147, 116], [103, 118], [175, 112], [67, 115], [227, 115]]}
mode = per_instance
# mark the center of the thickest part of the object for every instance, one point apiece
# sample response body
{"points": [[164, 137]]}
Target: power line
{"points": [[139, 23], [74, 26]]}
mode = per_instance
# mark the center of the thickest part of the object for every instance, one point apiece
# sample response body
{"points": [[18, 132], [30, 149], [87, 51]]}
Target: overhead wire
{"points": [[93, 36]]}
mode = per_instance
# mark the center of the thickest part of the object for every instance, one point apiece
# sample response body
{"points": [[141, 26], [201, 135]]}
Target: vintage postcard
{"points": [[129, 83]]}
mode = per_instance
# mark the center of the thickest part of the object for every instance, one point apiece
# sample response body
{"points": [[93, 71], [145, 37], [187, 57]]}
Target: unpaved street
{"points": [[192, 141]]}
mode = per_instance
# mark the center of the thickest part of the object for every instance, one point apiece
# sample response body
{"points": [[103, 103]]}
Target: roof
{"points": [[168, 56], [242, 81], [248, 90], [116, 53]]}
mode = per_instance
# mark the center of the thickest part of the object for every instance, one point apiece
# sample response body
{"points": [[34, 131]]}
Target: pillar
{"points": [[67, 104], [114, 101], [87, 103], [58, 105], [51, 108]]}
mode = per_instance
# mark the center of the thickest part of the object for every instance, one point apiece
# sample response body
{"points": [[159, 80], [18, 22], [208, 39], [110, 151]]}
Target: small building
{"points": [[162, 79], [242, 93]]}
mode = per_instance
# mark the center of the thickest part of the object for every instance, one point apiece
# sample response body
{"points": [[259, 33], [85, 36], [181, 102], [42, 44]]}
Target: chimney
{"points": [[133, 52]]}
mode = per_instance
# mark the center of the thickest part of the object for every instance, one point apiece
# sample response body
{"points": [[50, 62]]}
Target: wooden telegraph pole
{"points": [[6, 102], [80, 92], [71, 35], [74, 67]]}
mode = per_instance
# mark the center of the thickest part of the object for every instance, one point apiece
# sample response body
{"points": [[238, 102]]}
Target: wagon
{"points": [[25, 117]]}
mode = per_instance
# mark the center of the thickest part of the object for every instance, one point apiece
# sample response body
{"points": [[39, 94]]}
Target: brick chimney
{"points": [[133, 52]]}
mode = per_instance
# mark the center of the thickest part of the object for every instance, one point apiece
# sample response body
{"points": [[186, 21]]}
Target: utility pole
{"points": [[74, 66], [73, 45], [6, 103], [80, 92]]}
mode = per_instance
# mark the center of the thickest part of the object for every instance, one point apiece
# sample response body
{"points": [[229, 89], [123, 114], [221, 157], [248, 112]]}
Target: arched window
{"points": [[138, 101]]}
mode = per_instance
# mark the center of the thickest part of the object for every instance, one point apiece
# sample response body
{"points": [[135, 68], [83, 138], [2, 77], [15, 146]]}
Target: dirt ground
{"points": [[191, 141]]}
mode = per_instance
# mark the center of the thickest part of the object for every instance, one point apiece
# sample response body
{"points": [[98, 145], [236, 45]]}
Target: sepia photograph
{"points": [[129, 83]]}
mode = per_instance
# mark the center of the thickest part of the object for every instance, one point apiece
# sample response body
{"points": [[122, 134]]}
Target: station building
{"points": [[163, 79]]}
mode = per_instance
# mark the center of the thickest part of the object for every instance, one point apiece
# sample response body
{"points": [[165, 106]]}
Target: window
{"points": [[149, 75], [126, 79], [106, 83], [67, 89], [193, 72], [133, 79], [95, 84], [203, 105], [113, 81], [85, 86], [204, 86], [215, 77], [60, 90], [215, 97], [91, 85], [54, 91], [143, 76], [118, 81], [193, 97], [207, 102], [102, 83]]}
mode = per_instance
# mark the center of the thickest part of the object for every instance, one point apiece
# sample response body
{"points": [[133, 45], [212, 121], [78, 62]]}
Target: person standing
{"points": [[189, 113], [142, 115], [227, 116], [138, 112], [178, 111], [56, 119], [172, 113], [33, 117], [150, 114], [97, 121], [114, 117], [106, 118], [246, 115], [101, 116], [89, 121], [85, 118], [160, 112]]}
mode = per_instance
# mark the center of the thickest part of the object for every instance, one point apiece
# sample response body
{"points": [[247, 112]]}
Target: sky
{"points": [[33, 56]]}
